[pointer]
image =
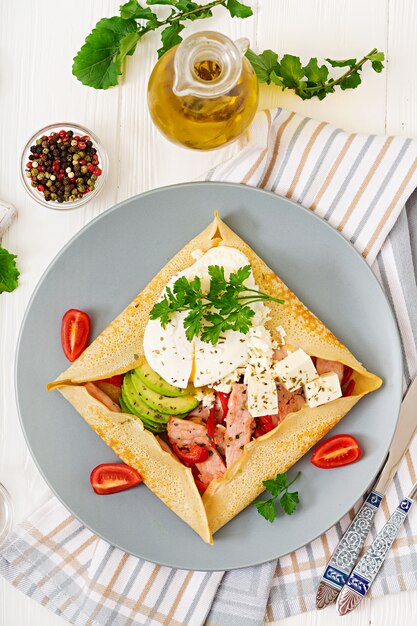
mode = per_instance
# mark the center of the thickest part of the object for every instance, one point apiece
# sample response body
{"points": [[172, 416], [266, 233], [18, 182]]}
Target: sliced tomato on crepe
{"points": [[191, 454]]}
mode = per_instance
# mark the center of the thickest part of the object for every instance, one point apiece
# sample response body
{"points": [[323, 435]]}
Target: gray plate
{"points": [[103, 268]]}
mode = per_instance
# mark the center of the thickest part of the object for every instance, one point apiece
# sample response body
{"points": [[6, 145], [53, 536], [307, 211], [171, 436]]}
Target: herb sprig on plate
{"points": [[225, 306], [278, 488], [101, 60]]}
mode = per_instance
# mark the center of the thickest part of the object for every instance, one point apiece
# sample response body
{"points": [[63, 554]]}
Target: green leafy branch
{"points": [[101, 60], [311, 80]]}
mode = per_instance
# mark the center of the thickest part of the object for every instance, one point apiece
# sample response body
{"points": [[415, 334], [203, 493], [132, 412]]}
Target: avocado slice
{"points": [[156, 383], [131, 402], [160, 403], [148, 424]]}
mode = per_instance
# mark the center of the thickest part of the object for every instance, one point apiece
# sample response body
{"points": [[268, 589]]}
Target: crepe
{"points": [[119, 348]]}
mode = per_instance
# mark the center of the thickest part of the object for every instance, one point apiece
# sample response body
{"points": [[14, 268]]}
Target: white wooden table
{"points": [[37, 43]]}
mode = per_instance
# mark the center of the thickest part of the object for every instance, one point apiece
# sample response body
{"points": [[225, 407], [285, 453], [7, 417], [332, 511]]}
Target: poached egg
{"points": [[179, 361]]}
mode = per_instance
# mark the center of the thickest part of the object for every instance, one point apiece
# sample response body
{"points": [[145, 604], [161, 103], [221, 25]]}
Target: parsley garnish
{"points": [[226, 305], [278, 487]]}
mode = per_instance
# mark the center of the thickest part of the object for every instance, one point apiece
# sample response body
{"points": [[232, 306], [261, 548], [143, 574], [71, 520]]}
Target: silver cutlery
{"points": [[365, 572], [347, 551]]}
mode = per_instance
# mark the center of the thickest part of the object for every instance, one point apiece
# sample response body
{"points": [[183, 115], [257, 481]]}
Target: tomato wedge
{"points": [[348, 388], [113, 477], [224, 401], [115, 380], [337, 451], [347, 373], [75, 333], [191, 454], [265, 425]]}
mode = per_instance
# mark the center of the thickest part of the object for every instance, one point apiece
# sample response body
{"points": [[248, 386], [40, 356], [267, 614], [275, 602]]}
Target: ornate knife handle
{"points": [[347, 551], [362, 577]]}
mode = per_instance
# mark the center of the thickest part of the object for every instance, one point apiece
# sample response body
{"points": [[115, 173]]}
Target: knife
{"points": [[347, 551], [365, 572]]}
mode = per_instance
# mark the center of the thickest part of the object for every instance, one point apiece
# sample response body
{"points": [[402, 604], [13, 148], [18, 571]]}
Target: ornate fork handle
{"points": [[347, 551], [364, 574]]}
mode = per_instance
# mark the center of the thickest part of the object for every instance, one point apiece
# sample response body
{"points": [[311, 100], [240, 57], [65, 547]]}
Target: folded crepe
{"points": [[119, 348]]}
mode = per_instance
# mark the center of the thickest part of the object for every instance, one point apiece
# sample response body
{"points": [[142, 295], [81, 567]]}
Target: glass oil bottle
{"points": [[203, 93]]}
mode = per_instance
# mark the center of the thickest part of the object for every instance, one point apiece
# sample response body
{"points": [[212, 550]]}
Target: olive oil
{"points": [[212, 106]]}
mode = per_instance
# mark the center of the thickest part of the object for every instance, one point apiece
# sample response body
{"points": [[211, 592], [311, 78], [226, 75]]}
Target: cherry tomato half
{"points": [[75, 333], [113, 477], [224, 401], [336, 451], [191, 454]]}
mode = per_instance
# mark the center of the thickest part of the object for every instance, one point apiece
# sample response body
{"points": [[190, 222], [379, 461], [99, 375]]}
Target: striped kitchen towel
{"points": [[361, 185]]}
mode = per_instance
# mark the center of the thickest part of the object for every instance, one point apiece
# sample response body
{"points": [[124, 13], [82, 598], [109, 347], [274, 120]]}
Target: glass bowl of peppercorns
{"points": [[63, 166]]}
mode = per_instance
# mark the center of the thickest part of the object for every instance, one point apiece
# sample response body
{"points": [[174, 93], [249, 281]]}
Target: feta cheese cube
{"points": [[262, 393], [295, 370], [324, 389]]}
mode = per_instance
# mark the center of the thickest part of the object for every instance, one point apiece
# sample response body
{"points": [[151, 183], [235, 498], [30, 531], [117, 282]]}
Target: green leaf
{"points": [[161, 310], [9, 273], [341, 63], [99, 61], [170, 37], [133, 10], [314, 73], [238, 277], [266, 508], [185, 6], [289, 502], [241, 320], [376, 56], [277, 80], [291, 70], [192, 323], [377, 66], [127, 46], [276, 485], [263, 64], [237, 9], [351, 82]]}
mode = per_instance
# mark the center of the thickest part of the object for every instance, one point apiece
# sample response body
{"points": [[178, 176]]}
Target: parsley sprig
{"points": [[278, 488], [311, 79], [225, 306]]}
